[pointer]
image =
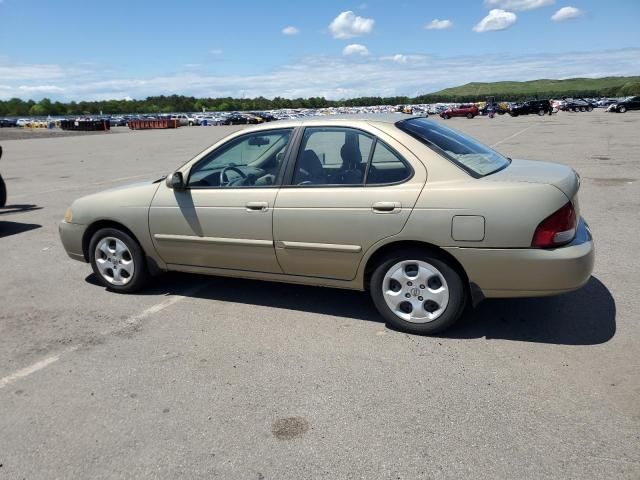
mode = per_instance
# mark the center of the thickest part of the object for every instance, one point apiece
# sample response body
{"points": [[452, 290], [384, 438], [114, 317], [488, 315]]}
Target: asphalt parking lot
{"points": [[205, 377]]}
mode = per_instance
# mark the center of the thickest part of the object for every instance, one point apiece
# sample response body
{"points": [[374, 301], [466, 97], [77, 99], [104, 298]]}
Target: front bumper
{"points": [[71, 235], [530, 272]]}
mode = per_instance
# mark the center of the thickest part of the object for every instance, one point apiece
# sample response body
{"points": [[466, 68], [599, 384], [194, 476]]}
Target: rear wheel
{"points": [[3, 192], [541, 112], [418, 292], [118, 260], [582, 109]]}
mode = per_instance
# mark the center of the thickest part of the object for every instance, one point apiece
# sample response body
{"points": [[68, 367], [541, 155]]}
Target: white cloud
{"points": [[348, 25], [398, 58], [496, 20], [566, 13], [436, 24], [290, 31], [355, 49], [332, 77], [517, 4], [216, 51]]}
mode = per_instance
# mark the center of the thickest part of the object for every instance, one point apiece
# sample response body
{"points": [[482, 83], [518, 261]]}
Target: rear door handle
{"points": [[257, 206], [386, 207]]}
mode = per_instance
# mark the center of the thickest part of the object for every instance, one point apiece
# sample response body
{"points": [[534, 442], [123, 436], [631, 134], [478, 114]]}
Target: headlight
{"points": [[68, 215]]}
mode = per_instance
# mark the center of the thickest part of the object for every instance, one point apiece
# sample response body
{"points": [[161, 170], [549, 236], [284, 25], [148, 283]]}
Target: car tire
{"points": [[3, 192], [435, 290], [622, 109], [590, 108], [122, 270], [446, 117], [541, 112], [582, 109], [469, 115]]}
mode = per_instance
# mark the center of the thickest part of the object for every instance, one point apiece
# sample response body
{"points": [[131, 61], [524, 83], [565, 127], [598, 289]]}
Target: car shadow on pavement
{"points": [[584, 317], [12, 228], [18, 208]]}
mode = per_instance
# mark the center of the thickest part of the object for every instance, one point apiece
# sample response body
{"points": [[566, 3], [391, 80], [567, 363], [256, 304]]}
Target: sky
{"points": [[81, 50]]}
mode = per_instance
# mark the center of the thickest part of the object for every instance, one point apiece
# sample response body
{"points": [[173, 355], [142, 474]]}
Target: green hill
{"points": [[587, 87]]}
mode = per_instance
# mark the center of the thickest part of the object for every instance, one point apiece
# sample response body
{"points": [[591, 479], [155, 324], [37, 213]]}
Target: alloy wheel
{"points": [[415, 291], [114, 261]]}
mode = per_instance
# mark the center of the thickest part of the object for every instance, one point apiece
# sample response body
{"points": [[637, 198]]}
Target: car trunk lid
{"points": [[562, 177]]}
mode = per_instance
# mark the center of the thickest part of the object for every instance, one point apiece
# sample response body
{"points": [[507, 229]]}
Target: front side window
{"points": [[332, 156], [473, 156], [252, 160]]}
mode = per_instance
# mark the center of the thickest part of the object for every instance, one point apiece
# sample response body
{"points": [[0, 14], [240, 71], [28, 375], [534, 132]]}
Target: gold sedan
{"points": [[423, 217]]}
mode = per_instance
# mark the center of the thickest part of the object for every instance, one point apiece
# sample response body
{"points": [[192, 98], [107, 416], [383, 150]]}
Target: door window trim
{"points": [[281, 173], [297, 151]]}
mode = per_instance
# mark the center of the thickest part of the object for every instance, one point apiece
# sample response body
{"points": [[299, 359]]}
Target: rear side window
{"points": [[387, 166]]}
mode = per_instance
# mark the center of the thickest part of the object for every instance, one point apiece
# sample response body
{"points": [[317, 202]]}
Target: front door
{"points": [[347, 191], [223, 219]]}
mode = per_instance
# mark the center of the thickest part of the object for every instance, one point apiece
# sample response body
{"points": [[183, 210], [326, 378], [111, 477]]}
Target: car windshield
{"points": [[474, 157]]}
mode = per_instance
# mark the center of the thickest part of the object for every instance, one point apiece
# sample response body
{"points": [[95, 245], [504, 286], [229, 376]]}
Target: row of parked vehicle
{"points": [[537, 107], [188, 119], [446, 111]]}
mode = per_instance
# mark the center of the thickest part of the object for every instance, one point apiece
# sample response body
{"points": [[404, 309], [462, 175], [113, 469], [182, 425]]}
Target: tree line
{"points": [[180, 103]]}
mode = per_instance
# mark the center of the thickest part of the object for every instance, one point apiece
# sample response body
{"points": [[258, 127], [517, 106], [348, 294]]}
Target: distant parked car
{"points": [[540, 107], [266, 117], [184, 119], [118, 121], [7, 122], [23, 122], [578, 105], [605, 102], [467, 110], [240, 119], [629, 103]]}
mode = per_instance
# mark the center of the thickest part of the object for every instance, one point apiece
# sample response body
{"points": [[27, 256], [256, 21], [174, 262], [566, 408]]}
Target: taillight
{"points": [[557, 229]]}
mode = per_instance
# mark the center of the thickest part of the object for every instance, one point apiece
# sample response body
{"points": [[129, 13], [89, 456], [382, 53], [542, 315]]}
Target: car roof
{"points": [[343, 119]]}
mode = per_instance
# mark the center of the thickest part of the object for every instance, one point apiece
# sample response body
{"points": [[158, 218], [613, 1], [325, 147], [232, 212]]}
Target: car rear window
{"points": [[474, 157]]}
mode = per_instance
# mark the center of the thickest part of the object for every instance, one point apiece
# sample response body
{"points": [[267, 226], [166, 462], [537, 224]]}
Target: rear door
{"points": [[347, 190]]}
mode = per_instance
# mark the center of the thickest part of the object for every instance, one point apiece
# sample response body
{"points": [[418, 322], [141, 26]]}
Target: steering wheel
{"points": [[223, 174]]}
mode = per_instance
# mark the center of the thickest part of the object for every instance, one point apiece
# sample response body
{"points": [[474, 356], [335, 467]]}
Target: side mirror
{"points": [[176, 181]]}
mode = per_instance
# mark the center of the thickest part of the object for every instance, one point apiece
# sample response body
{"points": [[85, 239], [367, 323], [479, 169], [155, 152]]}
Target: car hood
{"points": [[560, 176]]}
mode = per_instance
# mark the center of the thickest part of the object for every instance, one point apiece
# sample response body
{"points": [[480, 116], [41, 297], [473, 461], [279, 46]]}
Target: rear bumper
{"points": [[530, 272], [71, 235]]}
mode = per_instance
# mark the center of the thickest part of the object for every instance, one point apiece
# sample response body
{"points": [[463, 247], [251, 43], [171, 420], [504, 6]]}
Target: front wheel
{"points": [[3, 192], [469, 115], [418, 292], [541, 112], [117, 260], [622, 109]]}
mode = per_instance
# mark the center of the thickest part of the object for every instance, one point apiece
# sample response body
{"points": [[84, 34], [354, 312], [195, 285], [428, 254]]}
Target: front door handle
{"points": [[386, 207], [257, 206]]}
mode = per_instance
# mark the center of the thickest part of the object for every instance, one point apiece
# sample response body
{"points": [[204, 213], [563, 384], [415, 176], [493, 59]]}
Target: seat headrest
{"points": [[351, 156]]}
